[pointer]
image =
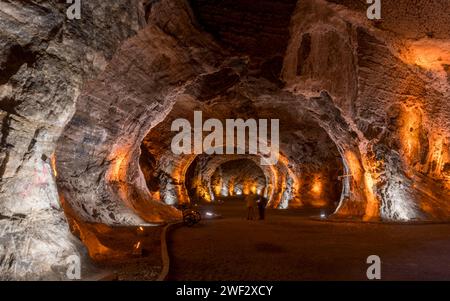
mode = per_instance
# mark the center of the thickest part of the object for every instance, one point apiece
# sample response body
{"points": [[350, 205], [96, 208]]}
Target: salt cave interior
{"points": [[86, 109]]}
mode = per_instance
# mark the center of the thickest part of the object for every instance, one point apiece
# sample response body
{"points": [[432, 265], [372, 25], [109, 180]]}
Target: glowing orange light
{"points": [[89, 235], [231, 188], [117, 169], [53, 164], [427, 53], [217, 189], [137, 245], [317, 187], [354, 164], [246, 188], [447, 184], [204, 193], [316, 192], [372, 203]]}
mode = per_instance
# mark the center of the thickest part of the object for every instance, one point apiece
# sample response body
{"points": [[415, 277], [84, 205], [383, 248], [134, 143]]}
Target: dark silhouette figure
{"points": [[262, 203]]}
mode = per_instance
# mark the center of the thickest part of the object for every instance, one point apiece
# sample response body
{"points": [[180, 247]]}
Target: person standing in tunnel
{"points": [[262, 203], [251, 204]]}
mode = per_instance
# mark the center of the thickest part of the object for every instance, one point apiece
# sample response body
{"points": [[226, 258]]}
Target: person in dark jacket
{"points": [[262, 203]]}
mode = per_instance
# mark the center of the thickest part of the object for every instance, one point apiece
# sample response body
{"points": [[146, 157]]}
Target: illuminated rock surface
{"points": [[86, 108]]}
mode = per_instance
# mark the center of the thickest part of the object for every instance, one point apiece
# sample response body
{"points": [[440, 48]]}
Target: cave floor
{"points": [[289, 245]]}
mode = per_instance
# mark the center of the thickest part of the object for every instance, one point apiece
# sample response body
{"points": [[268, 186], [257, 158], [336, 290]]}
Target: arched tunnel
{"points": [[307, 155], [342, 123]]}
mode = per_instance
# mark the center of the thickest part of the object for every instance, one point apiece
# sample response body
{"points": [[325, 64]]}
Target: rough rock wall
{"points": [[238, 177], [44, 59], [211, 177], [98, 154]]}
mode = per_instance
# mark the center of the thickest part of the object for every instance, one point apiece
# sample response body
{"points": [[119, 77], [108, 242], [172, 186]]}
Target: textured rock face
{"points": [[413, 20], [238, 177], [44, 59], [365, 100]]}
